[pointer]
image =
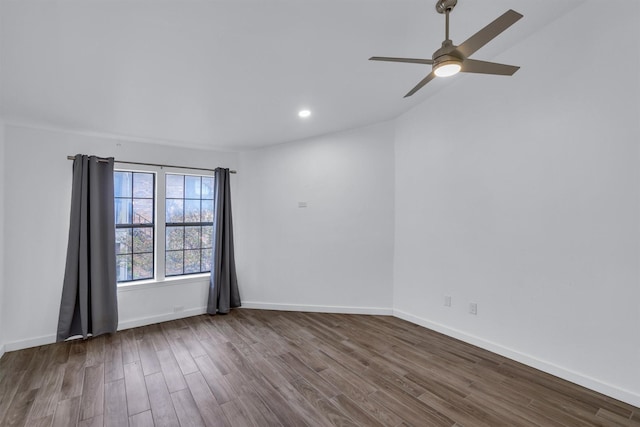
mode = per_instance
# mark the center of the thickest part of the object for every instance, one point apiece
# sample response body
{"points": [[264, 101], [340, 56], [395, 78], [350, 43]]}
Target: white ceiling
{"points": [[231, 74]]}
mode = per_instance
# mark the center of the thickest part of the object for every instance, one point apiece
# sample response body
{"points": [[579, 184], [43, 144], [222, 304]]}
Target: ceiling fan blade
{"points": [[488, 33], [423, 82], [410, 60], [483, 67]]}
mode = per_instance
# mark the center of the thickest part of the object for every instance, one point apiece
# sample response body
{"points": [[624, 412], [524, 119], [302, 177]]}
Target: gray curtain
{"points": [[89, 303], [223, 285]]}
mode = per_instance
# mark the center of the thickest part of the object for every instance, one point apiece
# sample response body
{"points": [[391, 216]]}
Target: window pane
{"points": [[143, 239], [123, 241], [173, 264], [122, 184], [207, 211], [192, 261], [143, 185], [207, 231], [123, 211], [206, 260], [175, 238], [142, 266], [123, 268], [192, 237], [192, 211], [142, 211], [192, 187], [175, 188], [207, 187], [174, 210]]}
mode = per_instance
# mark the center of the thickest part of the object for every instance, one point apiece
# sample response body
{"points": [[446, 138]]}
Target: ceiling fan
{"points": [[451, 59]]}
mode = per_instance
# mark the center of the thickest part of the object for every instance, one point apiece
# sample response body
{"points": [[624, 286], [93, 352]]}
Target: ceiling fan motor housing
{"points": [[446, 53]]}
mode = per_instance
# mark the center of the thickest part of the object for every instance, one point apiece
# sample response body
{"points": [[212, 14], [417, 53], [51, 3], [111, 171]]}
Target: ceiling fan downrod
{"points": [[445, 7]]}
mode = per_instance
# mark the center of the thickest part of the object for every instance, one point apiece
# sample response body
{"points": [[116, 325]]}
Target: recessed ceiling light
{"points": [[304, 113]]}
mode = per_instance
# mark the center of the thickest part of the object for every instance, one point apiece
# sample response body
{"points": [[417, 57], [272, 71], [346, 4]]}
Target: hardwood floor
{"points": [[268, 368]]}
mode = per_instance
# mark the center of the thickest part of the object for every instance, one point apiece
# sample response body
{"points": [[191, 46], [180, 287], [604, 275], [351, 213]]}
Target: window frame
{"points": [[159, 237], [138, 225], [184, 224]]}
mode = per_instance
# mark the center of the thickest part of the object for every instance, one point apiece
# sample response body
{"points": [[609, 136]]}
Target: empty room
{"points": [[321, 212]]}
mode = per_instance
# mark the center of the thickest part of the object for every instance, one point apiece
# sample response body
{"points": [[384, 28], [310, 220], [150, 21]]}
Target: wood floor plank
{"points": [[74, 372], [326, 409], [148, 356], [129, 346], [67, 412], [113, 363], [207, 405], [237, 414], [11, 380], [218, 384], [258, 411], [160, 400], [354, 411], [34, 373], [183, 356], [93, 392], [95, 351], [276, 368], [97, 421], [142, 419], [41, 422], [357, 392], [215, 350], [48, 395], [186, 409], [136, 389], [115, 404], [295, 364], [157, 337], [20, 406], [171, 371]]}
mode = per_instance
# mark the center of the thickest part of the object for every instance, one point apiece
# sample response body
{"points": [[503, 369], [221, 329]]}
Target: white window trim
{"points": [[159, 229]]}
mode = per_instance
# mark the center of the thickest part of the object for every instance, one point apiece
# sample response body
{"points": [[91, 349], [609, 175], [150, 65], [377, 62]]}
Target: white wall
{"points": [[335, 254], [522, 195], [37, 194], [2, 181]]}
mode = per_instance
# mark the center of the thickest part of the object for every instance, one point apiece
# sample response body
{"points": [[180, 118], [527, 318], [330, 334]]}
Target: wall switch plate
{"points": [[473, 308], [447, 300]]}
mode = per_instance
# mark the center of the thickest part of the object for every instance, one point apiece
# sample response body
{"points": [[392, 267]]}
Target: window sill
{"points": [[169, 281]]}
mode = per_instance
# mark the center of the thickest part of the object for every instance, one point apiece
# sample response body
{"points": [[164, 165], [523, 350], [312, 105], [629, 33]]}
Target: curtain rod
{"points": [[153, 164]]}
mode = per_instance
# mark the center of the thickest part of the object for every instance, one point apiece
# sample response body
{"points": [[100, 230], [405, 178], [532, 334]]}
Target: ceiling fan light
{"points": [[447, 68]]}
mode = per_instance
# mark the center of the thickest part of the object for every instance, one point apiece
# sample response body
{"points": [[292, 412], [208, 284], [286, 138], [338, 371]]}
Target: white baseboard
{"points": [[127, 324], [1, 351], [550, 368], [30, 342], [150, 320], [318, 308]]}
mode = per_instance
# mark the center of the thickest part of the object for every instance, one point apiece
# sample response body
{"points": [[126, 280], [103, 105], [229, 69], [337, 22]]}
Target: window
{"points": [[164, 224], [189, 224], [134, 213]]}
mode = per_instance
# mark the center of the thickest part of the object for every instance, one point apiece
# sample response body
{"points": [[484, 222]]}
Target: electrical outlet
{"points": [[473, 308], [447, 300]]}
